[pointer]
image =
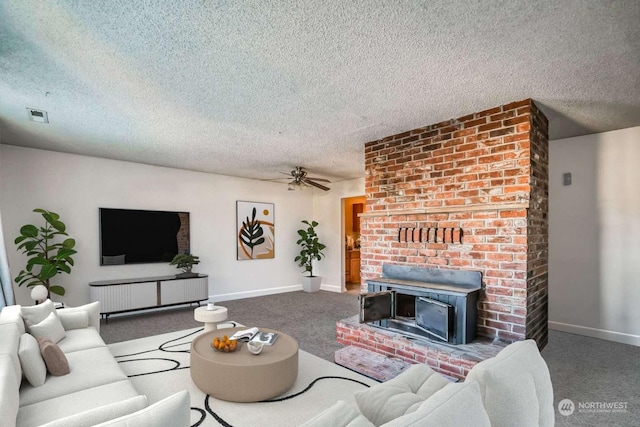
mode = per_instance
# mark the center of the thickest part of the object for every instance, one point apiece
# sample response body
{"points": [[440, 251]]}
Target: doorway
{"points": [[353, 206]]}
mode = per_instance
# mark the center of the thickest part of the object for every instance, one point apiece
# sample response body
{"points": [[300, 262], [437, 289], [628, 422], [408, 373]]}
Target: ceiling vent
{"points": [[39, 116]]}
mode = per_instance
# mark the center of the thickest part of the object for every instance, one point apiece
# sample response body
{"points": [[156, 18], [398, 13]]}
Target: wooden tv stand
{"points": [[123, 295]]}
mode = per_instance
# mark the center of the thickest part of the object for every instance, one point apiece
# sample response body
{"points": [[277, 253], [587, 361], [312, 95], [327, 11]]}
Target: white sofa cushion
{"points": [[101, 414], [32, 315], [455, 405], [13, 314], [341, 414], [82, 402], [9, 343], [73, 319], [400, 395], [50, 328], [9, 397], [89, 368], [516, 387], [81, 339], [174, 411], [31, 361]]}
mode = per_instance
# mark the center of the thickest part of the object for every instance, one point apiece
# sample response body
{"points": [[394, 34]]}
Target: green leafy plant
{"points": [[185, 262], [47, 258], [251, 233], [311, 246]]}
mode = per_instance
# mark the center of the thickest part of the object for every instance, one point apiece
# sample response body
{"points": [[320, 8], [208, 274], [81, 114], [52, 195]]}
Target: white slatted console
{"points": [[119, 296]]}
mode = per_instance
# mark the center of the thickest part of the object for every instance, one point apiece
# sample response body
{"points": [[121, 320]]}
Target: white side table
{"points": [[210, 318]]}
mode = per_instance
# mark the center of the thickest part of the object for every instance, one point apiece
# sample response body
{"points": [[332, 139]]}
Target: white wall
{"points": [[76, 186], [328, 211], [594, 236]]}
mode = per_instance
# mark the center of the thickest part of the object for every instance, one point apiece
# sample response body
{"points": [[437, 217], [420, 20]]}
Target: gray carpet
{"points": [[309, 318], [586, 370]]}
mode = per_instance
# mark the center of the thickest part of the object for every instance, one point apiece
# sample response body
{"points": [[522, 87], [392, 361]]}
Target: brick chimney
{"points": [[487, 174]]}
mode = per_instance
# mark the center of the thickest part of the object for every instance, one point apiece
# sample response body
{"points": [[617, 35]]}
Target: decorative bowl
{"points": [[255, 347]]}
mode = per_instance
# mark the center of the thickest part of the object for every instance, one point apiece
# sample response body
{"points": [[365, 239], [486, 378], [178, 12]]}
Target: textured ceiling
{"points": [[253, 88]]}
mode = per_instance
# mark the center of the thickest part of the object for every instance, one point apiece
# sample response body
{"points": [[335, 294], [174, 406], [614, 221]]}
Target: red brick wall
{"points": [[485, 173]]}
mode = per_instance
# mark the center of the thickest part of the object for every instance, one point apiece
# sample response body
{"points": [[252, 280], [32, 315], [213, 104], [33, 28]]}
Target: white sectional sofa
{"points": [[512, 389], [94, 391]]}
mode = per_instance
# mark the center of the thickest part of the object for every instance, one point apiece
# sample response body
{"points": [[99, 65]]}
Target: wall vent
{"points": [[39, 116]]}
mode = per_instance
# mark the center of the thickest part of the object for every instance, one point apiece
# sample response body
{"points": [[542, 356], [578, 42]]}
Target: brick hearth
{"points": [[451, 360], [372, 364]]}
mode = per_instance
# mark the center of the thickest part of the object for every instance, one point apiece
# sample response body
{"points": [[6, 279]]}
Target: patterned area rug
{"points": [[158, 366]]}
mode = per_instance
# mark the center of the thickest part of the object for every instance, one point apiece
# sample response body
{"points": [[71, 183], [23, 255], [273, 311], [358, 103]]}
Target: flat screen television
{"points": [[130, 236]]}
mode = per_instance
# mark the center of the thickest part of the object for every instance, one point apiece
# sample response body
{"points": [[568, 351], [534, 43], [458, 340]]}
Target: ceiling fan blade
{"points": [[318, 179], [315, 184]]}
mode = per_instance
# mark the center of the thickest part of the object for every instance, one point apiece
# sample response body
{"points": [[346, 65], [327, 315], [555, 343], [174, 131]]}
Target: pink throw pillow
{"points": [[54, 358]]}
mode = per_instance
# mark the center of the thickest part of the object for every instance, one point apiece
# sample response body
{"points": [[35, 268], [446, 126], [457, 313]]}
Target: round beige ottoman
{"points": [[241, 376], [210, 318]]}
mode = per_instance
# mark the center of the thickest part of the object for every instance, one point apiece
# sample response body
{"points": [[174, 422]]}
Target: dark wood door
{"points": [[356, 209]]}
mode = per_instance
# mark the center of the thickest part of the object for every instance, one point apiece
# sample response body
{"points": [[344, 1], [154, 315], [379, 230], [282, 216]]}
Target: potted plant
{"points": [[47, 257], [185, 262], [311, 250]]}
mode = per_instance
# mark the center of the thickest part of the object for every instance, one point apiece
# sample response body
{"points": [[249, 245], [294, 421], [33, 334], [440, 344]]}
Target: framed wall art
{"points": [[255, 230]]}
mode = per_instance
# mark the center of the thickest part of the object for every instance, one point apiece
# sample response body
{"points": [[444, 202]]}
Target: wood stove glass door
{"points": [[434, 317], [376, 306]]}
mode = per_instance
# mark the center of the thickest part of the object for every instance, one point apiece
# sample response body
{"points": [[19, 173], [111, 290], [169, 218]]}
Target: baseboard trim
{"points": [[256, 293], [270, 291], [330, 288], [596, 333]]}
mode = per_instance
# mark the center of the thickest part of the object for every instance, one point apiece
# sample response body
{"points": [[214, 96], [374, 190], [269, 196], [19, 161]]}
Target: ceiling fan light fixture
{"points": [[296, 186]]}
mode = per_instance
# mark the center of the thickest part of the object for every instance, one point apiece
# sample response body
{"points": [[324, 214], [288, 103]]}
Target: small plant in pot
{"points": [[185, 262], [311, 250]]}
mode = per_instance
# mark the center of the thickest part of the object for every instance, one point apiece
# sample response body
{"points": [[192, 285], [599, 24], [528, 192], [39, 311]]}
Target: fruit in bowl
{"points": [[224, 344]]}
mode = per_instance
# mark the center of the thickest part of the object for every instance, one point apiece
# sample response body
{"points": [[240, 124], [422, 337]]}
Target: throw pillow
{"points": [[516, 386], [33, 366], [73, 319], [36, 313], [55, 360], [455, 405], [50, 328], [400, 395], [92, 309]]}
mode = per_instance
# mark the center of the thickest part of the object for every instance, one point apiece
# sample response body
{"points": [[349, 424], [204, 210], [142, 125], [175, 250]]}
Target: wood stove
{"points": [[429, 303]]}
